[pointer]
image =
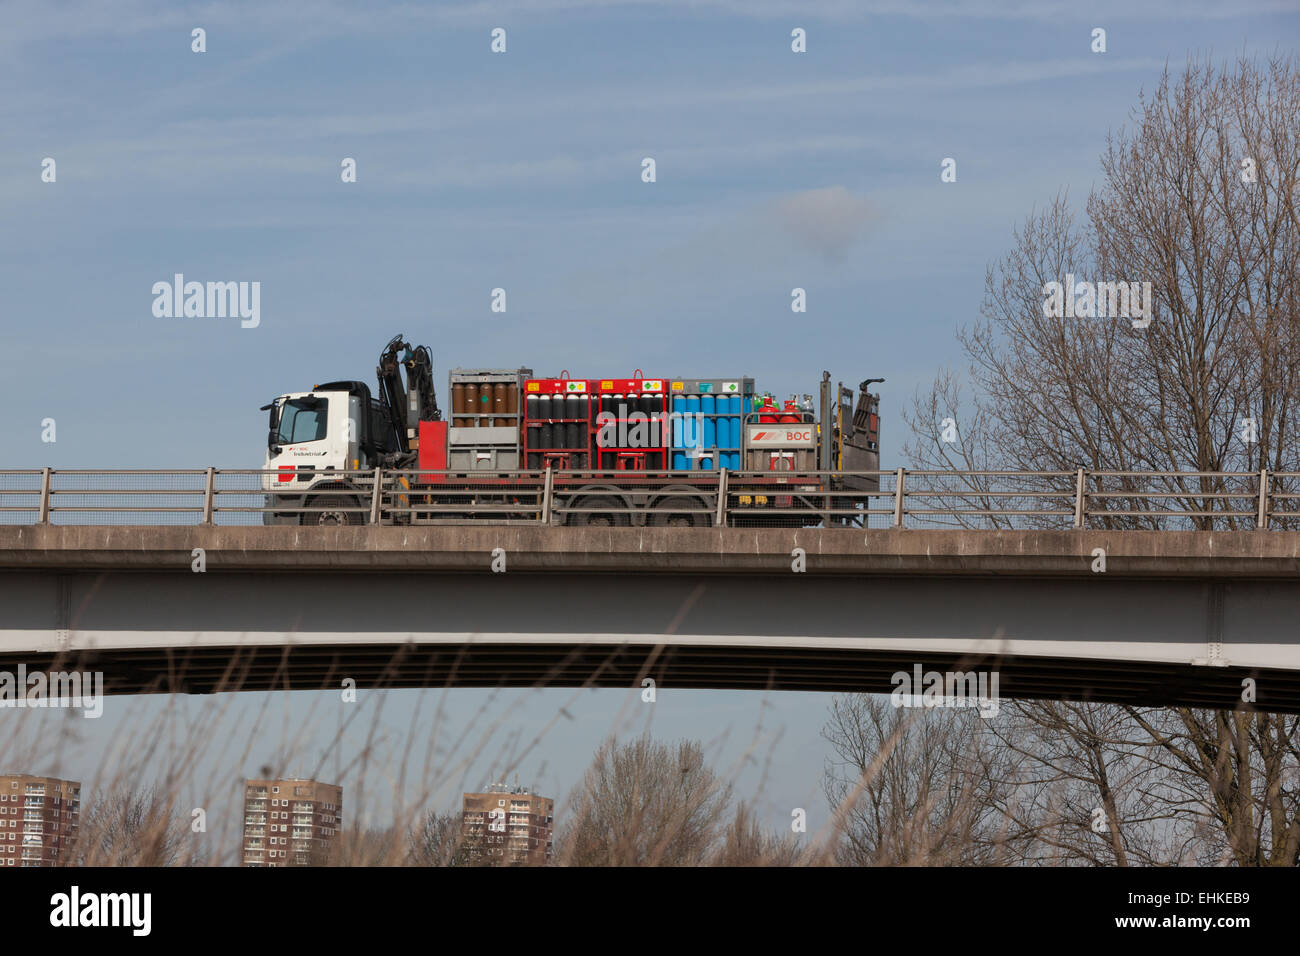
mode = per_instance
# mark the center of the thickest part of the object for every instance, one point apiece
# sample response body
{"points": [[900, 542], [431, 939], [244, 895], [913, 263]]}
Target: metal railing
{"points": [[901, 498]]}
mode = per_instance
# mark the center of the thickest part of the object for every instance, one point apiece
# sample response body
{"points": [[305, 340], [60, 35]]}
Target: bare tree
{"points": [[126, 827], [1198, 197], [915, 786], [1237, 775], [363, 846], [1092, 790], [437, 841], [645, 803], [746, 843]]}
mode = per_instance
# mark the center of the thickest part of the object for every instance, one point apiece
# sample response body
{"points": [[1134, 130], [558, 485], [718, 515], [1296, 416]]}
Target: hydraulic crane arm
{"points": [[407, 405]]}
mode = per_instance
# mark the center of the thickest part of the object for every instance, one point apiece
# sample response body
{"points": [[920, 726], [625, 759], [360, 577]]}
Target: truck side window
{"points": [[303, 421]]}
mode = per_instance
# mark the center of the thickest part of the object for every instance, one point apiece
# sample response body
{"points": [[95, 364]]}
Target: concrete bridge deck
{"points": [[1177, 618], [1161, 554]]}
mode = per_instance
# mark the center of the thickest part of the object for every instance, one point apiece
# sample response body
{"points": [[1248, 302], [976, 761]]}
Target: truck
{"points": [[609, 452]]}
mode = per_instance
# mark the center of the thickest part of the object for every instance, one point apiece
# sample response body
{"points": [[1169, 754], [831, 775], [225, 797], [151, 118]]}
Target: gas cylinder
{"points": [[691, 423], [582, 440], [767, 410], [471, 404], [499, 402], [737, 410], [572, 430], [534, 442], [791, 413], [708, 423], [457, 404]]}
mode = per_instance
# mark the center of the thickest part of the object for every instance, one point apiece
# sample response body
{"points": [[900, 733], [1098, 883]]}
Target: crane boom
{"points": [[406, 405]]}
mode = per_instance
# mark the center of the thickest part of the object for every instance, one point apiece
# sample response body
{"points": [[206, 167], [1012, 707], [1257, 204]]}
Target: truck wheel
{"points": [[329, 517], [603, 518], [661, 514]]}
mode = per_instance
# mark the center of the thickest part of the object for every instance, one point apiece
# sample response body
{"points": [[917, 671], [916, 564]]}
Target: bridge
{"points": [[1175, 617]]}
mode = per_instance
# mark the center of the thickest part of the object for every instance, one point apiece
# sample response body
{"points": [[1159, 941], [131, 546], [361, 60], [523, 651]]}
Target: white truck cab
{"points": [[313, 436]]}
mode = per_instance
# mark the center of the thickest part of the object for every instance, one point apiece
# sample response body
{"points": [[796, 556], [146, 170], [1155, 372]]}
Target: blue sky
{"points": [[522, 171]]}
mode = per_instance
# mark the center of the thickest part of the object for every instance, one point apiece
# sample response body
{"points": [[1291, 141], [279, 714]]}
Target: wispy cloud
{"points": [[35, 21]]}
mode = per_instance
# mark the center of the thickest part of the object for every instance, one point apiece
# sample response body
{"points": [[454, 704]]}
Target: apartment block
{"points": [[507, 826], [39, 819], [290, 822]]}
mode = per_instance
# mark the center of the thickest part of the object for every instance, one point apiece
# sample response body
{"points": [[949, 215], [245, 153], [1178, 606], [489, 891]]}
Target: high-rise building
{"points": [[507, 825], [39, 819], [290, 822]]}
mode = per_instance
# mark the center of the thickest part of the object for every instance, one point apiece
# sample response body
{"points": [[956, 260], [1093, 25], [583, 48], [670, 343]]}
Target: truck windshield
{"points": [[302, 420]]}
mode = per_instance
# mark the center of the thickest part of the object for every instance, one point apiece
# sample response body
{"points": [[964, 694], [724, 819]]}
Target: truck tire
{"points": [[331, 518], [596, 519], [661, 516]]}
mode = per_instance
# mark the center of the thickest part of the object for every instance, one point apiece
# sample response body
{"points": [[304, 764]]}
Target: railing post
{"points": [[1261, 520], [209, 486], [721, 520], [45, 496], [548, 488], [1080, 487], [376, 496], [898, 498]]}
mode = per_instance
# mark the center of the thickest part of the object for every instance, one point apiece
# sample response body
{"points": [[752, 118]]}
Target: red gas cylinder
{"points": [[791, 413], [767, 411]]}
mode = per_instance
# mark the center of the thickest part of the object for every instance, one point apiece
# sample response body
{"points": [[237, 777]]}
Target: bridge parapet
{"points": [[467, 548]]}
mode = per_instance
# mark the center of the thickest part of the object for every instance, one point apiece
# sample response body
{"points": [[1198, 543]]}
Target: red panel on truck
{"points": [[433, 447]]}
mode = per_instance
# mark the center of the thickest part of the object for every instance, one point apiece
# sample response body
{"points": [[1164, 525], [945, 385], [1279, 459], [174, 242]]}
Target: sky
{"points": [[522, 170]]}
